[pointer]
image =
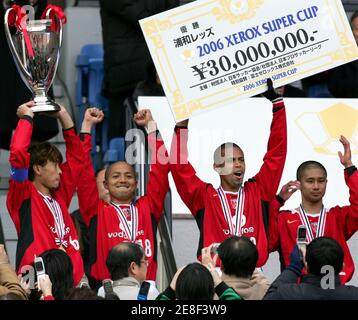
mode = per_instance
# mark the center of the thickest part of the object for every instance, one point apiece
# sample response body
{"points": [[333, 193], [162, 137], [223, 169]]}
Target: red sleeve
{"points": [[274, 235], [72, 168], [87, 191], [158, 183], [190, 188], [19, 185], [351, 212], [270, 173]]}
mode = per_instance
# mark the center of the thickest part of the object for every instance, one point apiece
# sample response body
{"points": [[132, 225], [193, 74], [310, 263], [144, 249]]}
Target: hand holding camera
{"points": [[107, 286], [45, 285], [298, 252], [207, 252], [301, 240]]}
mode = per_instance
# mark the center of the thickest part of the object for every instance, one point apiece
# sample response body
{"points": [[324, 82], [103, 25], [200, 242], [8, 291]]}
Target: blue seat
{"points": [[90, 73], [90, 54], [115, 151]]}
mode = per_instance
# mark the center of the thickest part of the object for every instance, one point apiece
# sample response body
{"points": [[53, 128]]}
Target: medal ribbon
{"points": [[132, 232], [321, 223], [227, 211], [60, 227]]}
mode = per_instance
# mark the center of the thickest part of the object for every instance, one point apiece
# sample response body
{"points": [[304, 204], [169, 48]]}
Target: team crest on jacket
{"points": [[314, 226]]}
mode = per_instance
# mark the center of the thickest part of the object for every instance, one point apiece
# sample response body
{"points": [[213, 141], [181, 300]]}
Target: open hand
{"points": [[289, 189], [206, 256], [346, 157]]}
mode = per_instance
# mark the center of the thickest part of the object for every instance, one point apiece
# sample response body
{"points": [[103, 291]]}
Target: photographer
{"points": [[128, 267], [238, 256], [322, 254], [198, 282]]}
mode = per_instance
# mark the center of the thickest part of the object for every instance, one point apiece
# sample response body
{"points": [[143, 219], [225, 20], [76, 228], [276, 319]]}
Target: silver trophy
{"points": [[35, 48]]}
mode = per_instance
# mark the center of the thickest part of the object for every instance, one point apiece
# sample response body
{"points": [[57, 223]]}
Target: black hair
{"points": [[40, 154], [82, 294], [99, 170], [221, 151], [108, 170], [238, 256], [354, 15], [194, 283], [311, 164], [59, 268], [120, 258], [324, 251]]}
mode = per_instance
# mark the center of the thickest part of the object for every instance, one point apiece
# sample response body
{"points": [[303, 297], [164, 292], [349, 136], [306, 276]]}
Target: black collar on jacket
{"points": [[316, 280]]}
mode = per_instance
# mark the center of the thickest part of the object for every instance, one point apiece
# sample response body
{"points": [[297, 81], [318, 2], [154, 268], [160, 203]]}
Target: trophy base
{"points": [[48, 106]]}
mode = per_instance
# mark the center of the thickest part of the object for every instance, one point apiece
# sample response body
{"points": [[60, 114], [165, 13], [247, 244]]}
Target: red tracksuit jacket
{"points": [[202, 198], [33, 219], [341, 224], [103, 220]]}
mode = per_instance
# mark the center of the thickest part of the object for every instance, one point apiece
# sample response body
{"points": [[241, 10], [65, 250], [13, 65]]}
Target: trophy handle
{"points": [[60, 24], [60, 39], [12, 46]]}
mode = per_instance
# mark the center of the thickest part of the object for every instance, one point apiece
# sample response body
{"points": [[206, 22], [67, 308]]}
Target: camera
{"points": [[39, 267], [108, 286], [301, 239], [214, 248], [301, 235], [143, 291]]}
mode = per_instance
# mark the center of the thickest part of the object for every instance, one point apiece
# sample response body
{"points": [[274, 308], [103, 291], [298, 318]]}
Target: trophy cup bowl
{"points": [[37, 66]]}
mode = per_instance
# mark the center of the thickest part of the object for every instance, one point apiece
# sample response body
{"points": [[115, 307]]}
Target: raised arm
{"points": [[350, 223], [87, 191], [74, 157], [286, 192], [20, 163], [190, 188], [158, 183], [270, 172], [289, 276]]}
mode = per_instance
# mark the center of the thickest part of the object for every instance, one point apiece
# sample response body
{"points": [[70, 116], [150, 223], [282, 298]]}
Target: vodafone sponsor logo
{"points": [[122, 234], [247, 230], [243, 231]]}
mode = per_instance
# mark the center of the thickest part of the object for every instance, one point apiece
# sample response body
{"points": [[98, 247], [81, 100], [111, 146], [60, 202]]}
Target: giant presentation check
{"points": [[210, 53]]}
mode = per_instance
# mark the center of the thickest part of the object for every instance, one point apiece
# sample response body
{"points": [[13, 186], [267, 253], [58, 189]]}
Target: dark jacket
{"points": [[285, 287], [343, 80], [125, 50]]}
